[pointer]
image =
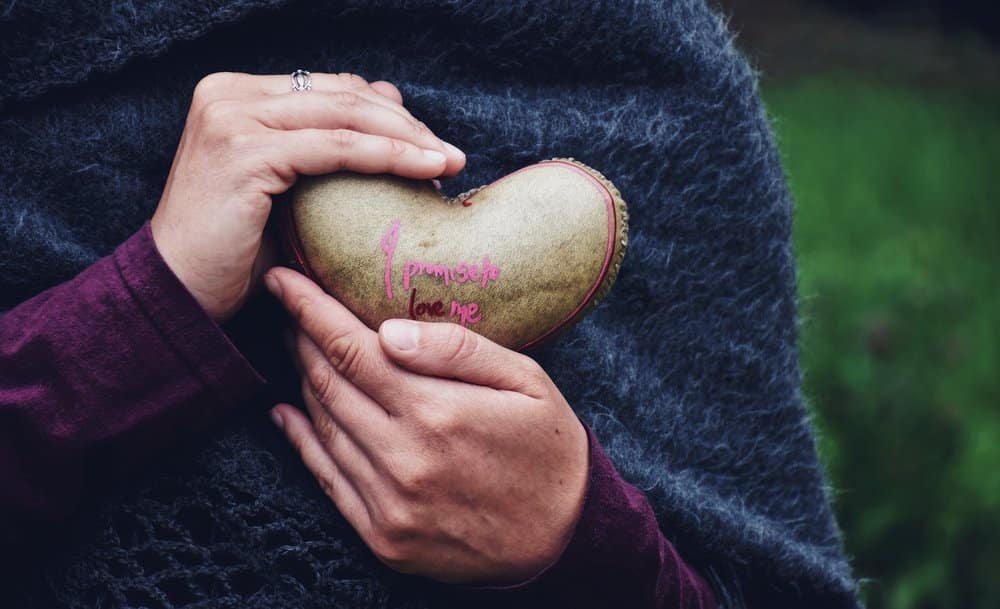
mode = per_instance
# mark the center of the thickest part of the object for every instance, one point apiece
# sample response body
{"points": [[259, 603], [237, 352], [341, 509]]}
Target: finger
{"points": [[322, 151], [239, 85], [388, 90], [339, 488], [352, 409], [243, 85], [347, 81], [452, 351], [350, 347], [354, 461], [278, 84], [342, 110]]}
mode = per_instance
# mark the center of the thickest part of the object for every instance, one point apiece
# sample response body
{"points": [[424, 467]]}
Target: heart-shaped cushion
{"points": [[518, 260]]}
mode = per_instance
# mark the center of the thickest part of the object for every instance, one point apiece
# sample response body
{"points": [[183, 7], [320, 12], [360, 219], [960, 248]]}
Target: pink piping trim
{"points": [[292, 236], [612, 221]]}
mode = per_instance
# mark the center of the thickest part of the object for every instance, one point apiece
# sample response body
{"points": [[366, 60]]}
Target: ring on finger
{"points": [[301, 80]]}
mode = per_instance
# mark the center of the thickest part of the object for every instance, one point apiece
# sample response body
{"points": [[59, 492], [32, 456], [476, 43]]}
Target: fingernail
{"points": [[453, 149], [276, 417], [401, 334], [435, 156], [272, 284]]}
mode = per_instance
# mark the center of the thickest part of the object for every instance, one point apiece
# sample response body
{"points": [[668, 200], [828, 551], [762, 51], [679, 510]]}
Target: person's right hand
{"points": [[247, 137]]}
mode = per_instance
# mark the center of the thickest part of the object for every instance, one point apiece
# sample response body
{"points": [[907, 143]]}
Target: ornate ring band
{"points": [[301, 80]]}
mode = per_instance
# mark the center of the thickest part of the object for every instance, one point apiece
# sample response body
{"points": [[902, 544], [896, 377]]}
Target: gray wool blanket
{"points": [[688, 372]]}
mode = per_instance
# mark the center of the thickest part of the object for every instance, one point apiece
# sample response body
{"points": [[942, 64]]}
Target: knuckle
{"points": [[352, 361], [419, 132], [236, 140], [533, 373], [211, 85], [323, 384], [439, 421], [333, 344], [459, 343], [300, 306], [352, 81], [397, 148], [327, 486], [396, 94], [392, 536], [344, 351], [423, 127], [387, 550], [397, 523], [326, 430], [218, 112], [414, 477], [218, 124], [277, 174], [343, 138], [347, 100]]}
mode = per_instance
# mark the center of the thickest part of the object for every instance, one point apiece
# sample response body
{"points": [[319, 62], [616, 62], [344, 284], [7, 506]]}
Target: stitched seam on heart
{"points": [[623, 238]]}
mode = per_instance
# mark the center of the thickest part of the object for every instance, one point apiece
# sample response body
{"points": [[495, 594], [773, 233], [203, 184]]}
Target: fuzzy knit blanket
{"points": [[688, 372]]}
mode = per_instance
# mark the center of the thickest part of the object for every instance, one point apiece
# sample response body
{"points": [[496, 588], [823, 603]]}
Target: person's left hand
{"points": [[453, 457]]}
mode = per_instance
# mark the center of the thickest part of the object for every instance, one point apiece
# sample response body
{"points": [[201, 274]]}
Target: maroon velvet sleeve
{"points": [[617, 556], [99, 373]]}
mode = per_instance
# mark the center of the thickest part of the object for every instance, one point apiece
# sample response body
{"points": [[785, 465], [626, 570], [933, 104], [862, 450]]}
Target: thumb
{"points": [[452, 351]]}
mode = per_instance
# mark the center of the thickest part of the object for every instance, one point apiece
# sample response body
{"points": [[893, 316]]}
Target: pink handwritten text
{"points": [[389, 241], [463, 272], [467, 313], [460, 273]]}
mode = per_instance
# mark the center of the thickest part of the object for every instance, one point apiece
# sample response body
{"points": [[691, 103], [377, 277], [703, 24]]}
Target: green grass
{"points": [[897, 232]]}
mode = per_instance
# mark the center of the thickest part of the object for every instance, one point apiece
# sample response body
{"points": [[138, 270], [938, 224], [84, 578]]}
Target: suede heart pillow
{"points": [[518, 260]]}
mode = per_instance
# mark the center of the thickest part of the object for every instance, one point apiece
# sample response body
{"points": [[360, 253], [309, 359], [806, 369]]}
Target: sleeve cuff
{"points": [[616, 555], [196, 338], [602, 539]]}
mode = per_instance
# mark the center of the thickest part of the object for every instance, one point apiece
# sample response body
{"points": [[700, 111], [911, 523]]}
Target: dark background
{"points": [[887, 118]]}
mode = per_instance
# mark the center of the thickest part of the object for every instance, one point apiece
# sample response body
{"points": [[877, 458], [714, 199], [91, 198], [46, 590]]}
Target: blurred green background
{"points": [[888, 120]]}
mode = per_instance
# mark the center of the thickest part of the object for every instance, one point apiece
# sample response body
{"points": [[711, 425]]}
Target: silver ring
{"points": [[301, 80]]}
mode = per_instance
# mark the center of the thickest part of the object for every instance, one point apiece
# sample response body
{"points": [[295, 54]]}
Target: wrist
{"points": [[571, 487], [539, 558], [172, 252], [183, 323]]}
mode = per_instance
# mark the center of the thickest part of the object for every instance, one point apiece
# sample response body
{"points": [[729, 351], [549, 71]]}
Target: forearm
{"points": [[100, 372]]}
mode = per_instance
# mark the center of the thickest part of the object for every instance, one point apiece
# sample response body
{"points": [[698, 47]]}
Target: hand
{"points": [[246, 138], [453, 457]]}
